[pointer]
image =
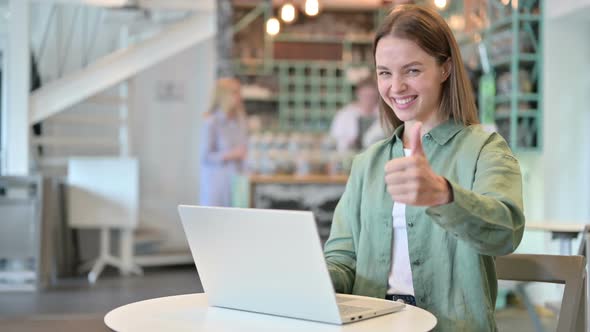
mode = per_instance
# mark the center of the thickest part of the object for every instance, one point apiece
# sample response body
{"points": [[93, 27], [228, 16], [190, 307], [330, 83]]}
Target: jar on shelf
{"points": [[328, 144], [265, 142], [302, 163], [284, 162], [317, 162], [252, 163], [335, 164], [266, 164], [294, 144], [253, 142], [280, 141]]}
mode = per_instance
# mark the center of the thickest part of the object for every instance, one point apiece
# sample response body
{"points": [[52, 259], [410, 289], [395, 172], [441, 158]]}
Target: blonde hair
{"points": [[428, 29], [223, 97]]}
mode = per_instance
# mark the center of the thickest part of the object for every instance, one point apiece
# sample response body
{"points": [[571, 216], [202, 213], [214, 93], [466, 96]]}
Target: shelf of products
{"points": [[514, 52], [294, 170], [298, 154]]}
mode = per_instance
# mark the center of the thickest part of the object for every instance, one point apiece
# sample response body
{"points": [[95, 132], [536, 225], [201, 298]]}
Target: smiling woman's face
{"points": [[409, 80]]}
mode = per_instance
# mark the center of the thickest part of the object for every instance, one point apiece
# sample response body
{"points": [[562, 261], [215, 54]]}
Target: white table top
{"points": [[191, 313], [555, 227]]}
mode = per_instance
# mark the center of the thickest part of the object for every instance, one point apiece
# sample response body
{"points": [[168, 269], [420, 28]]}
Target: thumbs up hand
{"points": [[416, 141], [411, 181]]}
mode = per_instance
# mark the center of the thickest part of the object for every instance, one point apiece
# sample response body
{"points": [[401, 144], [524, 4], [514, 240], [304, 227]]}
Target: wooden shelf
{"points": [[296, 179], [521, 97], [506, 60], [505, 22], [520, 114]]}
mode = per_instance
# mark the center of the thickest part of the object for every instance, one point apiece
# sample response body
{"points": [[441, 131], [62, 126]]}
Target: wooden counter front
{"points": [[298, 179], [316, 193]]}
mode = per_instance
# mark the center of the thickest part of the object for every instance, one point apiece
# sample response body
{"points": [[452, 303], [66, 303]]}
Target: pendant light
{"points": [[288, 13], [312, 7], [273, 26]]}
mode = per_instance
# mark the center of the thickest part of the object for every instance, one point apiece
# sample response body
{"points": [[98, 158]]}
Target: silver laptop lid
{"points": [[267, 261]]}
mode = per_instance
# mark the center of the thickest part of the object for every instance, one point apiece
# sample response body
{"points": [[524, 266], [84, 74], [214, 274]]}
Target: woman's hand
{"points": [[238, 153], [411, 181]]}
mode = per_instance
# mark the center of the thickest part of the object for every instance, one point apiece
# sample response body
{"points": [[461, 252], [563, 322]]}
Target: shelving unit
{"points": [[513, 38], [21, 253], [308, 91], [312, 92], [309, 76]]}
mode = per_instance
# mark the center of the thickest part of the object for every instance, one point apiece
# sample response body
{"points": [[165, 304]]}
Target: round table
{"points": [[192, 313]]}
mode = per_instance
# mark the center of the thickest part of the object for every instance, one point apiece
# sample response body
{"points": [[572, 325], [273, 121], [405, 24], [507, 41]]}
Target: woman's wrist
{"points": [[446, 192]]}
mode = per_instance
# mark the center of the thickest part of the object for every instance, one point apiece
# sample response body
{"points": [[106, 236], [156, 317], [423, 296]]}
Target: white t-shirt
{"points": [[400, 278], [345, 128]]}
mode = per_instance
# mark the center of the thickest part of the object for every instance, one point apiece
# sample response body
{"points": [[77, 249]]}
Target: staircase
{"points": [[85, 103], [98, 126], [85, 112]]}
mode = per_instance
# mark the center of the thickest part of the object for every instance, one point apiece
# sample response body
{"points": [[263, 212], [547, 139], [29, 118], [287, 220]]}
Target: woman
{"points": [[223, 143], [426, 210], [357, 123]]}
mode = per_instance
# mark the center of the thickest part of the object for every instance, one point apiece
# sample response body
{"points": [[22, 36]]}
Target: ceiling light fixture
{"points": [[273, 26], [440, 4], [288, 13], [312, 7]]}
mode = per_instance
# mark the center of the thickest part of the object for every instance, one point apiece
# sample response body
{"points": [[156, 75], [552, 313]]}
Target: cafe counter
{"points": [[316, 193]]}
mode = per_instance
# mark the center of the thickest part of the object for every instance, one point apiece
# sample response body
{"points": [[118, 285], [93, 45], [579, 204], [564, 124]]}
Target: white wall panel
{"points": [[165, 136]]}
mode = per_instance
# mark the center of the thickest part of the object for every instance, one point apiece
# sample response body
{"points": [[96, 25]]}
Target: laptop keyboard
{"points": [[342, 299], [346, 310]]}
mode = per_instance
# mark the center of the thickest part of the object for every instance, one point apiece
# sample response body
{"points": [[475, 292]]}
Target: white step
{"points": [[107, 101], [90, 142], [88, 119]]}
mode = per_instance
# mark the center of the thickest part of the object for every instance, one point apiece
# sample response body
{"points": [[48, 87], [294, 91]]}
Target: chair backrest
{"points": [[568, 270], [582, 248]]}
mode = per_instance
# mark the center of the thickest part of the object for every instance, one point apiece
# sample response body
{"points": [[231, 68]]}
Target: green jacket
{"points": [[452, 246]]}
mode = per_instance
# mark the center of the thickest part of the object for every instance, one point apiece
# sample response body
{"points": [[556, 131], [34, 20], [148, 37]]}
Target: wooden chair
{"points": [[568, 270]]}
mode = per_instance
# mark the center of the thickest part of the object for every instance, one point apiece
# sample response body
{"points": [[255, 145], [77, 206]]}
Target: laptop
{"points": [[270, 262]]}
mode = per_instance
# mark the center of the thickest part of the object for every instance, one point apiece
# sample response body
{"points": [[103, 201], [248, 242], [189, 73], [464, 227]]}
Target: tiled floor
{"points": [[76, 296], [76, 306]]}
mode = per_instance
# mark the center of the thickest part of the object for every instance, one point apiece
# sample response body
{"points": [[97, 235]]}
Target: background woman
{"points": [[223, 143]]}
